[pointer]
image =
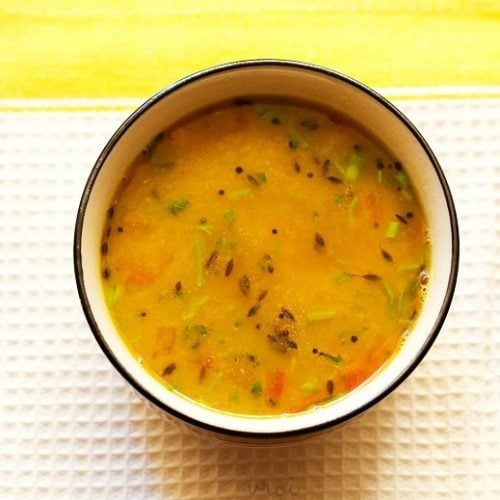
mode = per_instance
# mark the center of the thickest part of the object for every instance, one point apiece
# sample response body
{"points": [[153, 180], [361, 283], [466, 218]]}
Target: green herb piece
{"points": [[406, 194], [257, 179], [380, 176], [112, 294], [339, 199], [241, 193], [352, 205], [230, 215], [412, 266], [194, 334], [339, 167], [403, 179], [205, 228], [309, 387], [198, 257], [342, 277], [178, 206], [196, 308], [389, 292], [320, 315], [296, 141], [352, 172], [392, 229], [355, 161], [214, 380], [256, 389], [267, 115], [225, 244], [337, 359]]}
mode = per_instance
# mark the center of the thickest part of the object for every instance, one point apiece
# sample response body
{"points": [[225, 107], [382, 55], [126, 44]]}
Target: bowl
{"points": [[297, 81]]}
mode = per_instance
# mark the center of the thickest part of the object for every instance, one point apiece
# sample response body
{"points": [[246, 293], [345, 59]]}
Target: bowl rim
{"points": [[115, 138]]}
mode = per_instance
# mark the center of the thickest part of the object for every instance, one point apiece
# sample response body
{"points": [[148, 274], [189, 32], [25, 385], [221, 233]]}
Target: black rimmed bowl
{"points": [[295, 81]]}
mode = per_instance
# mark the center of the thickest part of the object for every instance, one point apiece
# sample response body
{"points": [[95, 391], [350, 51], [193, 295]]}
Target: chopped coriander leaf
{"points": [[256, 389], [178, 206], [257, 179], [230, 215], [296, 141]]}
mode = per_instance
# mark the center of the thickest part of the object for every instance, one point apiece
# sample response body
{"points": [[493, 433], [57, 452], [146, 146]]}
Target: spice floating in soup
{"points": [[264, 258]]}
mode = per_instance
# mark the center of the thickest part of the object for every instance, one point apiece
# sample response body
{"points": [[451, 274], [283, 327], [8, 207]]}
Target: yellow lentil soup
{"points": [[264, 257]]}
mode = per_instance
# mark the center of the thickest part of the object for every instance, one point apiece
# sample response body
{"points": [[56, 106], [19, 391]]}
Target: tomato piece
{"points": [[276, 385]]}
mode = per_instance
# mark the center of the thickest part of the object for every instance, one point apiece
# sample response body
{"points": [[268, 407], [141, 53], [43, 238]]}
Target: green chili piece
{"points": [[236, 195], [112, 294], [392, 229], [309, 387], [200, 276], [320, 315]]}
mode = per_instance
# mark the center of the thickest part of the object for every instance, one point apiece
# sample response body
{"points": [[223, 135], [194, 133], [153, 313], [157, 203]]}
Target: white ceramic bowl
{"points": [[292, 80]]}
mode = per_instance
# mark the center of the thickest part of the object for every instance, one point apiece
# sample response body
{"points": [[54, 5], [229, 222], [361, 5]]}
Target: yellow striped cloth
{"points": [[95, 48]]}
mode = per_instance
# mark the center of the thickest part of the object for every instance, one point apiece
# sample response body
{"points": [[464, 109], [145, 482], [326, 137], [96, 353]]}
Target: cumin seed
{"points": [[286, 314], [296, 166], [253, 310], [244, 283], [212, 259], [371, 277], [401, 219], [169, 369], [386, 255], [319, 242], [329, 387], [229, 267], [334, 180], [252, 180], [262, 295], [178, 288], [104, 248]]}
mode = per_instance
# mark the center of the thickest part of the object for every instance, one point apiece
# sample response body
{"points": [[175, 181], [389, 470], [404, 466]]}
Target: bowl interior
{"points": [[292, 81]]}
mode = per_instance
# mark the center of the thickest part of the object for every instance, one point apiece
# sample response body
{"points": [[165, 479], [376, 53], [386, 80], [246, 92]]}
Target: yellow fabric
{"points": [[99, 48]]}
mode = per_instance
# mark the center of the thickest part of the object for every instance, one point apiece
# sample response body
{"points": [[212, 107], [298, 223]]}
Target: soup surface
{"points": [[264, 257]]}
